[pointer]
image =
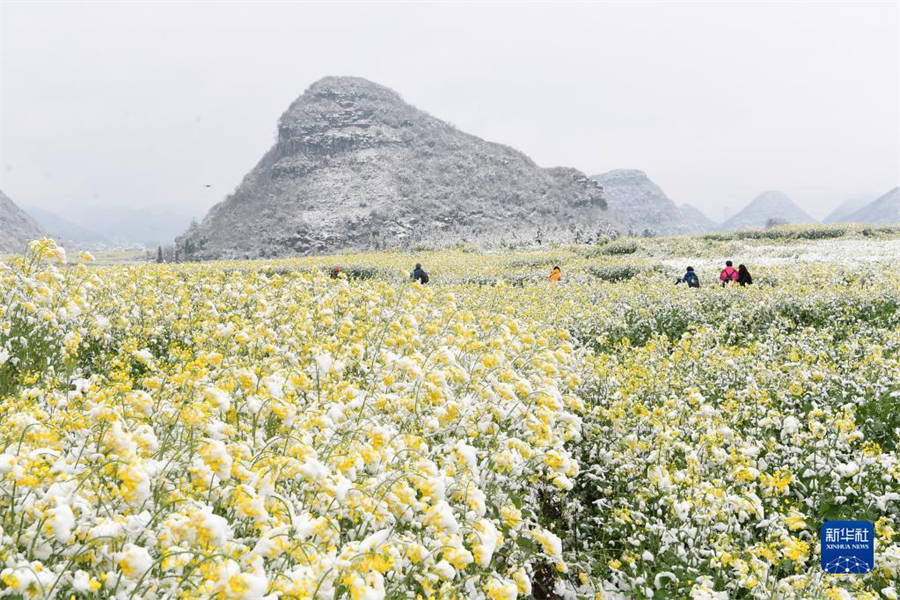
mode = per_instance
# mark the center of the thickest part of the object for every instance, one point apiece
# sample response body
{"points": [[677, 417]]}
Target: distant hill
{"points": [[356, 167], [645, 207], [122, 226], [847, 208], [700, 221], [17, 228], [769, 208], [884, 209], [64, 230]]}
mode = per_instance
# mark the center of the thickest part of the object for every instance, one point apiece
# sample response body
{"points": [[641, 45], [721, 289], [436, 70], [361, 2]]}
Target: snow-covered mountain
{"points": [[884, 209], [645, 207], [17, 228], [356, 167], [767, 209]]}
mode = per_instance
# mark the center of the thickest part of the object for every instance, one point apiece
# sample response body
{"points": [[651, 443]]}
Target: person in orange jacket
{"points": [[555, 274]]}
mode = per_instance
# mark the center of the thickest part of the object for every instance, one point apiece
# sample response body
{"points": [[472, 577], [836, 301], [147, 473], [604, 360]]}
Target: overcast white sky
{"points": [[146, 103]]}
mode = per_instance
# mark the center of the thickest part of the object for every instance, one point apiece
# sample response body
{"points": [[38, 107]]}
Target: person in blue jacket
{"points": [[419, 274], [690, 278]]}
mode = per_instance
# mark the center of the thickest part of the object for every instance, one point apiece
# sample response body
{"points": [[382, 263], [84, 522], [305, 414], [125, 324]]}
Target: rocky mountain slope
{"points": [[884, 209], [356, 167], [16, 227], [769, 208], [644, 206]]}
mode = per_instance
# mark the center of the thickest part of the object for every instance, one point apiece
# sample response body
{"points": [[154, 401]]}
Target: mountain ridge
{"points": [[846, 208], [645, 207], [356, 167], [65, 230], [884, 209], [703, 222], [769, 208], [17, 227]]}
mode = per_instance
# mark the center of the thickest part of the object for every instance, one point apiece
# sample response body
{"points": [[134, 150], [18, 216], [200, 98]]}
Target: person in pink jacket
{"points": [[728, 274]]}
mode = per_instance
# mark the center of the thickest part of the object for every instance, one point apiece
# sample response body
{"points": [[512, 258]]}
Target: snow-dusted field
{"points": [[838, 251], [262, 429]]}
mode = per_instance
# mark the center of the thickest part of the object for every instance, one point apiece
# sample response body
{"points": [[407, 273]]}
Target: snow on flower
{"points": [[60, 522], [257, 430], [134, 561]]}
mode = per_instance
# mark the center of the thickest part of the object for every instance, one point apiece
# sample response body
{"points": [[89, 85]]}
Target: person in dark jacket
{"points": [[744, 276], [690, 278], [419, 274]]}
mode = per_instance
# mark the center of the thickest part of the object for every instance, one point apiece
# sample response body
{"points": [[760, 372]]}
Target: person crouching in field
{"points": [[744, 277], [690, 278], [419, 274], [555, 275], [728, 274]]}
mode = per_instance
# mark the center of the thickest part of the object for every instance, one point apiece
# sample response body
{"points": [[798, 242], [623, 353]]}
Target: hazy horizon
{"points": [[146, 105]]}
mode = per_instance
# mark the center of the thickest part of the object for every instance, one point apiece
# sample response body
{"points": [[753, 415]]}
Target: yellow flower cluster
{"points": [[262, 430], [205, 431]]}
